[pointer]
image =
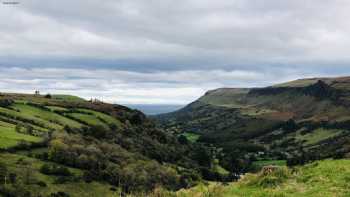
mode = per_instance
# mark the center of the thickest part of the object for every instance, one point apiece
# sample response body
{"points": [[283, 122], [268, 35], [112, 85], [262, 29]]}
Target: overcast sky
{"points": [[166, 51]]}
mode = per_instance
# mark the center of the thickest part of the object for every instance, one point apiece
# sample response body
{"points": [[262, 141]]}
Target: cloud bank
{"points": [[130, 87], [138, 51]]}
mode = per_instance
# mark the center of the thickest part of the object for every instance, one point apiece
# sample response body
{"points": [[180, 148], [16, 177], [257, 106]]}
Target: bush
{"points": [[88, 176], [6, 102], [45, 169], [53, 169], [60, 194], [62, 179], [13, 178], [41, 184]]}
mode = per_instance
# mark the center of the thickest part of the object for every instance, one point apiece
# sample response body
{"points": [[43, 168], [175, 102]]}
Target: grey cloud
{"points": [[124, 49], [218, 33], [118, 86]]}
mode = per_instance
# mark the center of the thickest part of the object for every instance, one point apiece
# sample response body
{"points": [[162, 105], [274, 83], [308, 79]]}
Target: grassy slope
{"points": [[9, 137], [318, 135], [192, 137], [323, 178], [260, 164], [228, 97], [53, 118], [226, 116], [108, 119], [75, 189], [43, 120], [30, 117], [89, 119]]}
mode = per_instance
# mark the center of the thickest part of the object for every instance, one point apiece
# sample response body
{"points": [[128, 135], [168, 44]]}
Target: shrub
{"points": [[45, 169], [88, 176], [270, 176], [13, 178], [41, 184], [6, 102], [182, 139], [59, 194], [62, 180], [53, 169]]}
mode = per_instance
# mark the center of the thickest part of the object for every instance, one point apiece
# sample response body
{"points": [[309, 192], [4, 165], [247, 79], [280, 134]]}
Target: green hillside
{"points": [[61, 145], [66, 146], [31, 121], [322, 178], [298, 122]]}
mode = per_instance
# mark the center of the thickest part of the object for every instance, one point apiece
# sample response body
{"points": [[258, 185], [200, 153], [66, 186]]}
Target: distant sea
{"points": [[153, 109]]}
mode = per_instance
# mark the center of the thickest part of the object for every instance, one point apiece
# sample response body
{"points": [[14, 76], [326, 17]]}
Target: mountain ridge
{"points": [[305, 118]]}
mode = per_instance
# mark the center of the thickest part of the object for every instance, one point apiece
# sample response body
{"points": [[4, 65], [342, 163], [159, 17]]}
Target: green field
{"points": [[55, 120], [43, 118], [17, 115], [318, 135], [89, 119], [192, 137], [56, 108], [9, 137], [107, 118]]}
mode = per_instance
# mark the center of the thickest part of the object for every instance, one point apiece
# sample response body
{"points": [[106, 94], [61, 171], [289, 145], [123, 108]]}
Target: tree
{"points": [[18, 128], [182, 139], [57, 150], [53, 169], [13, 178], [290, 126], [59, 194], [29, 129], [6, 102], [204, 156], [3, 173], [28, 172], [45, 169]]}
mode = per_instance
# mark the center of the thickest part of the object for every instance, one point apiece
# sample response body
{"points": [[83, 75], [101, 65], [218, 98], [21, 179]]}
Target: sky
{"points": [[166, 51]]}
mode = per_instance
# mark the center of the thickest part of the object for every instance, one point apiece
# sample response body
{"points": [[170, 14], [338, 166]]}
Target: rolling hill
{"points": [[62, 145], [297, 121]]}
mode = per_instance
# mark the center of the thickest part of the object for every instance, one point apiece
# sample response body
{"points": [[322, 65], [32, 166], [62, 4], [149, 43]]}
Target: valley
{"points": [[293, 123], [195, 98], [219, 145]]}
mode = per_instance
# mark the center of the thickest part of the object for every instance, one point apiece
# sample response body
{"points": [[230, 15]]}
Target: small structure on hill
{"points": [[95, 100], [37, 93]]}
